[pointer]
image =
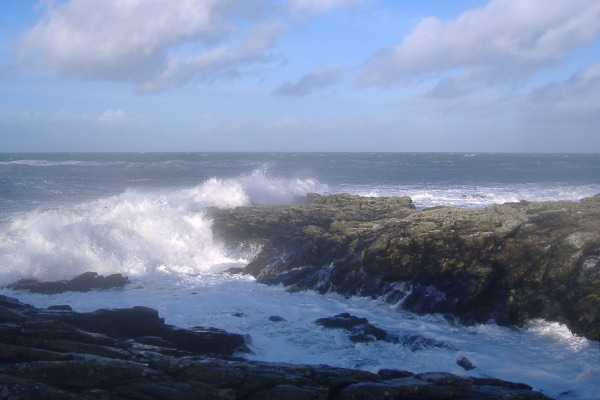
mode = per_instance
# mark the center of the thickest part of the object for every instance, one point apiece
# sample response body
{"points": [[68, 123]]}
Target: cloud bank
{"points": [[159, 44], [502, 43]]}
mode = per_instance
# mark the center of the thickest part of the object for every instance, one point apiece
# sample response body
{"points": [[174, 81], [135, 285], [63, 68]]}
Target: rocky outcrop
{"points": [[508, 263], [56, 353]]}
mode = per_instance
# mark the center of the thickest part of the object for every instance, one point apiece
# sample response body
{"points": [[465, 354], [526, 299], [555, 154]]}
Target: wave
{"points": [[137, 232], [478, 196], [48, 163]]}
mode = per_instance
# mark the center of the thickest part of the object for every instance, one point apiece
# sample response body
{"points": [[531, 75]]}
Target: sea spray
{"points": [[136, 232]]}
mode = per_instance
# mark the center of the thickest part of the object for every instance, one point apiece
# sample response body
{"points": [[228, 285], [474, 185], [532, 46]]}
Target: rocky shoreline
{"points": [[56, 353], [506, 263]]}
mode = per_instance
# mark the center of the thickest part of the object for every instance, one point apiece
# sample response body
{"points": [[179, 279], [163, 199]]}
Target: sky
{"points": [[300, 75]]}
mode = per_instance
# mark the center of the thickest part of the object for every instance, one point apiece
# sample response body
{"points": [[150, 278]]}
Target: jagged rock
{"points": [[508, 263], [46, 356], [81, 283]]}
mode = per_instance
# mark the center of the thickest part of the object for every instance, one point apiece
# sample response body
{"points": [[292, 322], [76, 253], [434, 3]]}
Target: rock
{"points": [[361, 331], [81, 283], [202, 340], [388, 374], [418, 342], [508, 263], [60, 354], [465, 363], [276, 318], [60, 307], [422, 386]]}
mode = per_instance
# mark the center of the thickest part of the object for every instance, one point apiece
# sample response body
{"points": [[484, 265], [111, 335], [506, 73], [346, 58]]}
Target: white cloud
{"points": [[318, 79], [303, 8], [261, 38], [134, 40], [113, 116], [218, 63], [503, 42], [158, 44]]}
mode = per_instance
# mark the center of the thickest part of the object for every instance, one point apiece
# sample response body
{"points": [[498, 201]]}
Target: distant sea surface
{"points": [[143, 215]]}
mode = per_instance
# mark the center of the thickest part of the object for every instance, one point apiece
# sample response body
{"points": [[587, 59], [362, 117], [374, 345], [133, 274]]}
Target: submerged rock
{"points": [[507, 263], [58, 354]]}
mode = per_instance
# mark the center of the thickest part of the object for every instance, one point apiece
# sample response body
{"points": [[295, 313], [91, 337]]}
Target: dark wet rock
{"points": [[202, 340], [388, 374], [52, 354], [276, 318], [508, 263], [418, 342], [422, 386], [343, 321], [81, 283], [60, 307], [361, 331], [465, 363], [144, 322]]}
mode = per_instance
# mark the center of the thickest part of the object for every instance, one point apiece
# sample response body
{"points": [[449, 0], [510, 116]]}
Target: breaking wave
{"points": [[137, 232]]}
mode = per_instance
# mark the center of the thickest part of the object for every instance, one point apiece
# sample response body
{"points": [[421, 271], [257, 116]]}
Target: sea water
{"points": [[143, 215]]}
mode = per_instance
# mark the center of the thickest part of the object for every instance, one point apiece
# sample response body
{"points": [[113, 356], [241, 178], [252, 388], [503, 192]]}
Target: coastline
{"points": [[347, 244]]}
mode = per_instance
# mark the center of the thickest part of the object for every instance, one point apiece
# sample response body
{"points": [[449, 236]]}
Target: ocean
{"points": [[143, 215]]}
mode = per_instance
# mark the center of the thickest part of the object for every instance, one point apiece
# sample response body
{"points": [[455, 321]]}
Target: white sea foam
{"points": [[476, 197], [263, 188]]}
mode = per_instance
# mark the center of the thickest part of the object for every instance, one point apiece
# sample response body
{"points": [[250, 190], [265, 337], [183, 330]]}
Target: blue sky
{"points": [[300, 75]]}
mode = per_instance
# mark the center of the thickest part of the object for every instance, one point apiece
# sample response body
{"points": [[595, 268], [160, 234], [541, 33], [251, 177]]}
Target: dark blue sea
{"points": [[143, 215]]}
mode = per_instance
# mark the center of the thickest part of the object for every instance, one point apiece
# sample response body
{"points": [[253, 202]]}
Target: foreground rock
{"points": [[131, 354], [508, 263]]}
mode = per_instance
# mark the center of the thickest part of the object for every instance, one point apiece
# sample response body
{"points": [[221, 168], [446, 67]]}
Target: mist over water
{"points": [[145, 216]]}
